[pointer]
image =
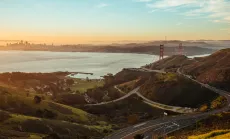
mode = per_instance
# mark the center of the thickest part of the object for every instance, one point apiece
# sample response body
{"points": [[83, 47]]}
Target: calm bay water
{"points": [[97, 63]]}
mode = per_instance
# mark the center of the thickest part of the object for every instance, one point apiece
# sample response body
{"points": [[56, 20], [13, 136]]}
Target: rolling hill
{"points": [[213, 69], [174, 90], [21, 126]]}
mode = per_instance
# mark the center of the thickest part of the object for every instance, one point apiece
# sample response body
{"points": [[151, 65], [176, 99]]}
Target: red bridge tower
{"points": [[161, 51], [181, 49]]}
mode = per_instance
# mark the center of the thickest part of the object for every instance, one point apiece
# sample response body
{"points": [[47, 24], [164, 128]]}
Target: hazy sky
{"points": [[82, 21]]}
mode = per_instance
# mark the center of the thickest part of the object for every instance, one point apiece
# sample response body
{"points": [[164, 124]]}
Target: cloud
{"points": [[217, 10], [143, 0], [152, 11], [170, 3], [179, 23], [102, 5]]}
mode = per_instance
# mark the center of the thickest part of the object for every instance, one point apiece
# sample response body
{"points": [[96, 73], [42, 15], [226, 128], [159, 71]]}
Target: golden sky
{"points": [[103, 21]]}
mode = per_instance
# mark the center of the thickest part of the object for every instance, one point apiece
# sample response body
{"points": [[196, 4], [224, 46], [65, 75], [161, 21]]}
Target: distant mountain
{"points": [[190, 47]]}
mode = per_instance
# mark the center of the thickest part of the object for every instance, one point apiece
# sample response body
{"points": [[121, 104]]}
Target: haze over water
{"points": [[97, 63]]}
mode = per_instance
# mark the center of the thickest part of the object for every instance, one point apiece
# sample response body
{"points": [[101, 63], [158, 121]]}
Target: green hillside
{"points": [[15, 125]]}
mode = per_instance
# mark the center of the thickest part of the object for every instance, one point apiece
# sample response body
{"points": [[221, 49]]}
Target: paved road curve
{"points": [[113, 101], [149, 102], [167, 125], [145, 100], [176, 124]]}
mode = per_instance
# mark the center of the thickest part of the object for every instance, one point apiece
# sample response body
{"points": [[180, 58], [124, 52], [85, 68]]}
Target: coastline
{"points": [[149, 50]]}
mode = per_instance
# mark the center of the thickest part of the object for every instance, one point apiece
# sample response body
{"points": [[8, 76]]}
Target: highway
{"points": [[166, 125]]}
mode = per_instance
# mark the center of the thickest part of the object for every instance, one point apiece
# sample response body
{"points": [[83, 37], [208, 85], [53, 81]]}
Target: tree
{"points": [[43, 97], [87, 79], [132, 119], [37, 99], [139, 136], [4, 116], [106, 98], [39, 113], [46, 114], [69, 81], [52, 136], [49, 114]]}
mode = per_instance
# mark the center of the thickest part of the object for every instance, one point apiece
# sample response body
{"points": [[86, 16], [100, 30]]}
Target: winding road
{"points": [[145, 100], [166, 125], [116, 100]]}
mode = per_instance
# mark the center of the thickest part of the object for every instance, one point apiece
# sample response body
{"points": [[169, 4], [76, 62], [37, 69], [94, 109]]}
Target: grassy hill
{"points": [[213, 69], [15, 125], [170, 63], [127, 75], [179, 91], [55, 86], [46, 108], [22, 115], [119, 113], [216, 134], [81, 86]]}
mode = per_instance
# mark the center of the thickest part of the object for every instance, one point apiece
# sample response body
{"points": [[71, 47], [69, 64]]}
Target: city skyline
{"points": [[85, 21]]}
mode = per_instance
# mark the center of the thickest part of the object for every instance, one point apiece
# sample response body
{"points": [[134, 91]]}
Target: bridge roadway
{"points": [[166, 125]]}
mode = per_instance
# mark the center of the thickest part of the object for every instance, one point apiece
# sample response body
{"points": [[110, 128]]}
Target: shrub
{"points": [[39, 113], [132, 119], [4, 116], [203, 108], [46, 114], [52, 136], [37, 99], [49, 114], [139, 136], [69, 81]]}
